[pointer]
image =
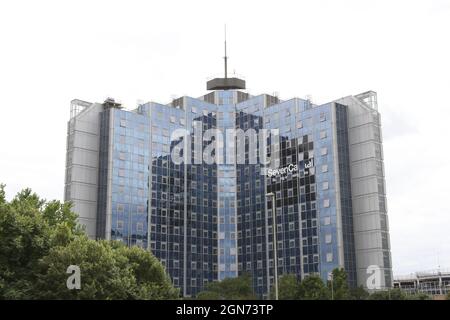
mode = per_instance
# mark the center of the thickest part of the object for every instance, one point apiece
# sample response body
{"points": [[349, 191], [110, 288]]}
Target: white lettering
{"points": [[74, 280]]}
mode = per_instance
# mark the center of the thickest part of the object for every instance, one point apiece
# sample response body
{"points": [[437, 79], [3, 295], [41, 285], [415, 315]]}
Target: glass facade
{"points": [[305, 212], [345, 192], [129, 173], [227, 240], [210, 221]]}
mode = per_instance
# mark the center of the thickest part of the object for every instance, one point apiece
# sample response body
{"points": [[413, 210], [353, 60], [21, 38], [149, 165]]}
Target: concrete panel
{"points": [[85, 140], [364, 186], [82, 170], [85, 158], [367, 222], [85, 192], [361, 134], [86, 175], [368, 240], [362, 151], [363, 168], [366, 171]]}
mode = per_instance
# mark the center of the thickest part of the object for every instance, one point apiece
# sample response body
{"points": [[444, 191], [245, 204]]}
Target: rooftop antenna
{"points": [[226, 57], [225, 83]]}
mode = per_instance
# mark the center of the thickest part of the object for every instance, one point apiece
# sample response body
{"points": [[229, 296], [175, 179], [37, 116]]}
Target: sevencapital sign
{"points": [[281, 171], [292, 168], [309, 164]]}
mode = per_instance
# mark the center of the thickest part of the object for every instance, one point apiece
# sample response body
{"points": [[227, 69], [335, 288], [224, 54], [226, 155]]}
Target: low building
{"points": [[434, 282]]}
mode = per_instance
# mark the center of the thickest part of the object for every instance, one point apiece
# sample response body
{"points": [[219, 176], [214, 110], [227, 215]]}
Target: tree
{"points": [[393, 294], [151, 279], [239, 288], [419, 296], [340, 285], [2, 194], [26, 238], [448, 295], [40, 239], [359, 293], [397, 294], [108, 271], [313, 288], [288, 287], [3, 283]]}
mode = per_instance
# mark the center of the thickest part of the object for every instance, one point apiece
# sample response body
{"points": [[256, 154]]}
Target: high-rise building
{"points": [[207, 221]]}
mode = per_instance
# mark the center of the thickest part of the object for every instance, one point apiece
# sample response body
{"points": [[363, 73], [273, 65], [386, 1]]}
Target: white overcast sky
{"points": [[55, 51]]}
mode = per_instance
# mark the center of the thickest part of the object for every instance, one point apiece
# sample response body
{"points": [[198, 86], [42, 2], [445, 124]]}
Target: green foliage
{"points": [[313, 288], [40, 239], [288, 287], [359, 293], [379, 295], [211, 293], [151, 279], [448, 296], [2, 194], [26, 237], [239, 288], [56, 213], [27, 198], [393, 294], [340, 285], [107, 272], [419, 296], [397, 294]]}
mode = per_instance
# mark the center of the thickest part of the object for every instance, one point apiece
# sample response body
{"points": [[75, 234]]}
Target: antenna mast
{"points": [[225, 83], [226, 57]]}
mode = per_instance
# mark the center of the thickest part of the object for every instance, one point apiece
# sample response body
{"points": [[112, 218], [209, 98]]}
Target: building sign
{"points": [[282, 171], [309, 164], [271, 173]]}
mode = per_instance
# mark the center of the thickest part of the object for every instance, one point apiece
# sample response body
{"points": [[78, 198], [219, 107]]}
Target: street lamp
{"points": [[331, 279], [275, 239]]}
